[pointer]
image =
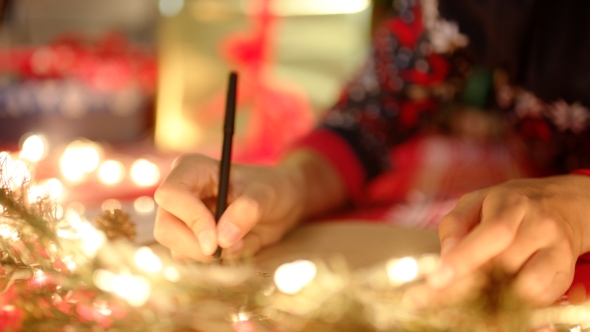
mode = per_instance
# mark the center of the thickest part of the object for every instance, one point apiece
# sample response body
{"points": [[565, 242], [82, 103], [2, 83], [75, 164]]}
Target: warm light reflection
{"points": [[145, 173], [171, 274], [111, 172], [111, 205], [147, 260], [402, 270], [144, 205], [290, 278], [135, 289], [79, 158], [104, 280]]}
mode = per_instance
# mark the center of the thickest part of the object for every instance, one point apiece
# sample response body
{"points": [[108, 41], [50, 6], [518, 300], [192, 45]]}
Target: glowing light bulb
{"points": [[34, 148], [147, 260], [402, 270], [290, 278], [171, 274], [144, 205], [144, 173], [135, 289], [111, 172]]}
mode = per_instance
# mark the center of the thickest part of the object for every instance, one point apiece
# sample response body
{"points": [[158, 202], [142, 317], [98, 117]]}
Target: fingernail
{"points": [[207, 241], [441, 277], [228, 234], [447, 245]]}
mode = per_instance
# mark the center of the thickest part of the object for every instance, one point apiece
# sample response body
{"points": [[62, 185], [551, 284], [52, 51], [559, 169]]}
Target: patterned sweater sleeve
{"points": [[385, 104]]}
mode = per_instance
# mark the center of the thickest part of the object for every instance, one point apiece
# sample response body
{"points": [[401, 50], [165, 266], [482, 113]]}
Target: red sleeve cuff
{"points": [[582, 172], [340, 155]]}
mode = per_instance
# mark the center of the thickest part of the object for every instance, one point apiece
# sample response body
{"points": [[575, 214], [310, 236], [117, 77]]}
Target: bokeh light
{"points": [[34, 148], [77, 208], [169, 8], [104, 280], [92, 239], [8, 232], [111, 172], [146, 260], [54, 189], [144, 205], [145, 173], [402, 270], [135, 289], [111, 205], [171, 274], [290, 278], [79, 158], [19, 174]]}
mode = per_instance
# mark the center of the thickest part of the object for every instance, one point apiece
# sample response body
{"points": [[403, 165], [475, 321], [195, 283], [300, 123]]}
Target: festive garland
{"points": [[61, 273]]}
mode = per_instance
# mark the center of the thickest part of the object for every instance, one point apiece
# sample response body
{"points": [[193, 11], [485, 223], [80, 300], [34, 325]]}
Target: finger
{"points": [[457, 223], [178, 257], [534, 234], [176, 197], [243, 214], [423, 297], [174, 234], [545, 277], [501, 216], [246, 247]]}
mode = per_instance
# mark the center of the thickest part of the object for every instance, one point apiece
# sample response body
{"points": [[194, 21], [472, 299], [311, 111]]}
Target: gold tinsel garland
{"points": [[62, 274]]}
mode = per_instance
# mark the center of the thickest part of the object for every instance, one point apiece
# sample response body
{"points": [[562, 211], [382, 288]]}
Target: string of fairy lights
{"points": [[59, 272], [81, 161]]}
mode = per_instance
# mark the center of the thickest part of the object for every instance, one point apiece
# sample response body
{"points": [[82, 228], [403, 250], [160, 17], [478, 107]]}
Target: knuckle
{"points": [[502, 231]]}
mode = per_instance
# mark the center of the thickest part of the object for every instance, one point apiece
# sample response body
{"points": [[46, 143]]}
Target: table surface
{"points": [[361, 244]]}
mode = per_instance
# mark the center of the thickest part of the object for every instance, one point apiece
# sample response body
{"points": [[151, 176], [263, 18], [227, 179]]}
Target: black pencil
{"points": [[224, 166]]}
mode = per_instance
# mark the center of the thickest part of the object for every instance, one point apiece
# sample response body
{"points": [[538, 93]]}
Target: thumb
{"points": [[243, 214], [463, 218]]}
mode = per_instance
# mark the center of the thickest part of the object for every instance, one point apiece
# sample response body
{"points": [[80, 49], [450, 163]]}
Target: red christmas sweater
{"points": [[423, 77]]}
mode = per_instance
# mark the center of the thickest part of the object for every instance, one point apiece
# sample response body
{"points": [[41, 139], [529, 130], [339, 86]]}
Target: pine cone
{"points": [[116, 224]]}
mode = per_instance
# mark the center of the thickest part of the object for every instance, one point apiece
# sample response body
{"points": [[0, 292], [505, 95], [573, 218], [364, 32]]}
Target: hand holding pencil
{"points": [[263, 203]]}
